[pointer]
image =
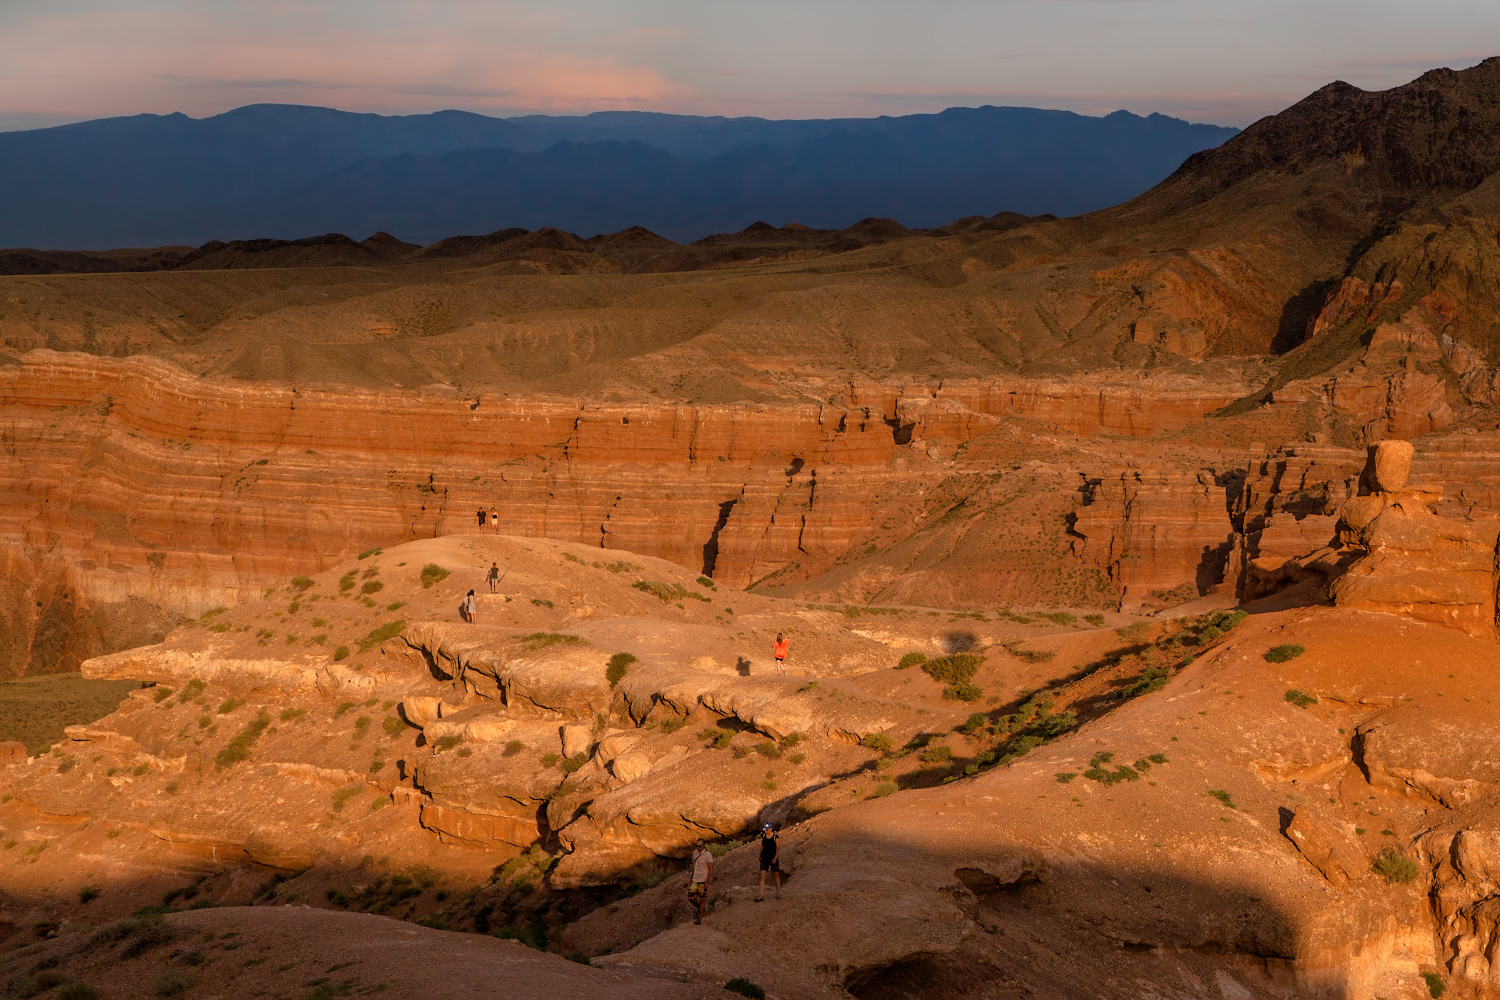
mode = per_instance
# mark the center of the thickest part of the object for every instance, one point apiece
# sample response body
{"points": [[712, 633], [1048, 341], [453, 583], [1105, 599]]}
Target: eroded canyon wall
{"points": [[132, 492]]}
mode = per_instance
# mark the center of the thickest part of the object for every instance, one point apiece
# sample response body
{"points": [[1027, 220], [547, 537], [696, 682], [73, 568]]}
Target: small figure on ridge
{"points": [[703, 875], [770, 855], [779, 650]]}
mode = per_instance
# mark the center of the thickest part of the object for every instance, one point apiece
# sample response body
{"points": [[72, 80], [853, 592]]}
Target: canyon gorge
{"points": [[1140, 570]]}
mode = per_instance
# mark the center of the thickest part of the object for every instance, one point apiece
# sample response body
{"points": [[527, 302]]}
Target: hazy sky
{"points": [[1225, 61]]}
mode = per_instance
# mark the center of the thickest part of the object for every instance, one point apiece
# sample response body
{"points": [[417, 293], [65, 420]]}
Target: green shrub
{"points": [[937, 755], [367, 553], [239, 747], [372, 587], [883, 789], [210, 613], [954, 667], [745, 988], [343, 795], [911, 660], [346, 582], [512, 748], [1283, 653], [161, 695], [1060, 618], [962, 691], [704, 581], [879, 742], [361, 726], [378, 635], [302, 582], [619, 666], [768, 749], [975, 722], [1394, 868], [1094, 620], [342, 653], [1151, 679], [1300, 699], [393, 726], [790, 740], [570, 764], [717, 738], [1435, 985], [77, 991], [432, 573], [229, 705], [88, 894]]}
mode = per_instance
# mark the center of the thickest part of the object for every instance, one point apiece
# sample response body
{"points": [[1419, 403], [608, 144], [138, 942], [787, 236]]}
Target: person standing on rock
{"points": [[470, 605], [770, 859], [778, 649], [493, 577], [703, 876]]}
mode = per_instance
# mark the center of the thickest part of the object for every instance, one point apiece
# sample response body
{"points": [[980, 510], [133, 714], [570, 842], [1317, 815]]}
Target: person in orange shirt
{"points": [[778, 648]]}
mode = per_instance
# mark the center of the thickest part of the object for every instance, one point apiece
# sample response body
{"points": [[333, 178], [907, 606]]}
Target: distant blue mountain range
{"points": [[288, 171]]}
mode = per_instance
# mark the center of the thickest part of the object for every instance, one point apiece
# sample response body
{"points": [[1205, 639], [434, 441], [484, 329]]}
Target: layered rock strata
{"points": [[131, 485]]}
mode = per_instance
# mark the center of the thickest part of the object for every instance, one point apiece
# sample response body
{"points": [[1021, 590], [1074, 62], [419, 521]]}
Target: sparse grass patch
{"points": [[1284, 653], [1223, 796], [956, 670], [228, 705], [1300, 699], [1094, 620], [1394, 867], [911, 660], [879, 742], [240, 746], [343, 795], [301, 583], [541, 640], [380, 634], [431, 573], [717, 738], [619, 666], [367, 553], [393, 726]]}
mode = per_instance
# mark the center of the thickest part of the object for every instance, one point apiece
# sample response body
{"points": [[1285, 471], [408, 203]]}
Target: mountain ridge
{"points": [[283, 171]]}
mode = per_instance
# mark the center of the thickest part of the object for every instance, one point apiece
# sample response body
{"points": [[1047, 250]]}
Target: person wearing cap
{"points": [[703, 875], [770, 854]]}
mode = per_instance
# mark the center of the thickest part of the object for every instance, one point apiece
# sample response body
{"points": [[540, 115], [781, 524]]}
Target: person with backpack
{"points": [[778, 649], [470, 605], [493, 577], [703, 876], [770, 859]]}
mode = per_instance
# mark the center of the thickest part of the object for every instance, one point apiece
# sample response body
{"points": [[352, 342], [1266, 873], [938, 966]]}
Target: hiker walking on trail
{"points": [[470, 605], [495, 519], [493, 577], [770, 859], [480, 515], [778, 648], [703, 875]]}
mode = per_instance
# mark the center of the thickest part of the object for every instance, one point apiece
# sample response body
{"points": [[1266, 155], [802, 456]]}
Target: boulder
{"points": [[1392, 465], [576, 739]]}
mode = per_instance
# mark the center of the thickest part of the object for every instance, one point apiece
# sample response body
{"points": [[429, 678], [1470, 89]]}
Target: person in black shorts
{"points": [[770, 854]]}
